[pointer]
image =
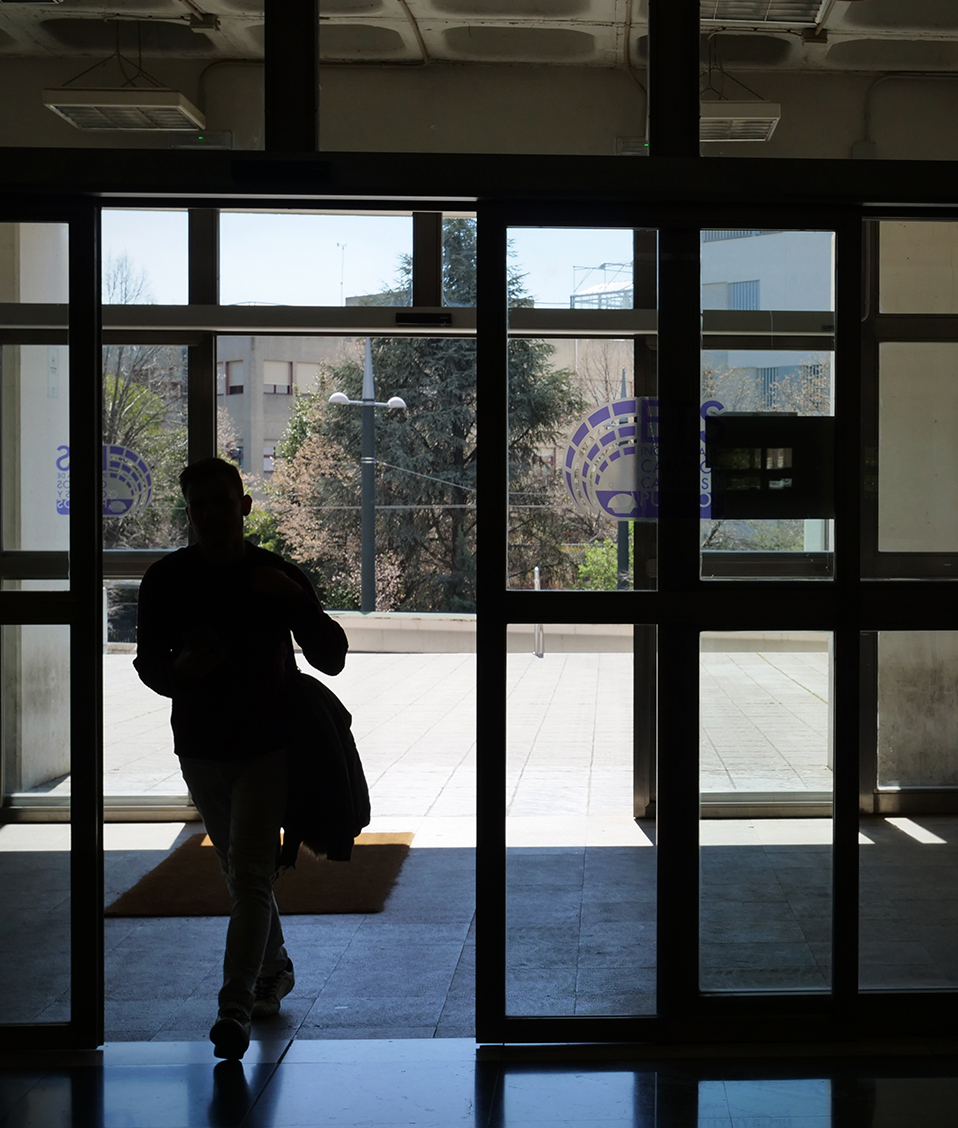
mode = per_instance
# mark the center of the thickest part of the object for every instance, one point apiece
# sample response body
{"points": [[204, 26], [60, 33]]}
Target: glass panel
{"points": [[581, 877], [138, 754], [765, 714], [323, 260], [909, 865], [145, 256], [144, 445], [917, 267], [767, 410], [34, 262], [36, 453], [35, 857], [917, 720], [571, 268], [308, 491], [917, 456], [770, 270], [583, 477], [766, 883]]}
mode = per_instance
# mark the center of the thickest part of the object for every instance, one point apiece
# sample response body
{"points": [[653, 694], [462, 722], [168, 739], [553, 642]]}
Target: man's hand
{"points": [[274, 583]]}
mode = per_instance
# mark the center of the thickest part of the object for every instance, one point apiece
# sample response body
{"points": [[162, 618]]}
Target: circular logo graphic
{"points": [[127, 482], [612, 462]]}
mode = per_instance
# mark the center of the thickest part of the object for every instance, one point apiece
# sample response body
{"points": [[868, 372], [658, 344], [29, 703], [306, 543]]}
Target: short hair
{"points": [[208, 468]]}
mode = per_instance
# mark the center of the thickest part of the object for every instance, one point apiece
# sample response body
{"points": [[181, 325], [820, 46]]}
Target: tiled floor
{"points": [[451, 1084], [581, 925], [764, 723]]}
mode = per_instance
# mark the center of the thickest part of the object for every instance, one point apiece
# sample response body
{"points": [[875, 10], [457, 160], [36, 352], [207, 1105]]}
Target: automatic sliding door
{"points": [[50, 890]]}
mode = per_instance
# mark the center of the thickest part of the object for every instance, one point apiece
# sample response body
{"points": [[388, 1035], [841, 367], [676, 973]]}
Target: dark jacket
{"points": [[328, 803], [239, 709]]}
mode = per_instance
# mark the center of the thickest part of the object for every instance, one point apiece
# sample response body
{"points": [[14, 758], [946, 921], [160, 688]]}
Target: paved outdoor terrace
{"points": [[764, 728], [582, 873]]}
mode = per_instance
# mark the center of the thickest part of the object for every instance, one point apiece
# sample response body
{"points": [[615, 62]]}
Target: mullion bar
{"points": [[492, 515], [204, 256], [673, 79], [677, 807], [847, 652], [427, 258], [86, 670], [204, 289]]}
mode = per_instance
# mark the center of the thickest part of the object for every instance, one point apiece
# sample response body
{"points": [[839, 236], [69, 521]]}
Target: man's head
{"points": [[216, 503]]}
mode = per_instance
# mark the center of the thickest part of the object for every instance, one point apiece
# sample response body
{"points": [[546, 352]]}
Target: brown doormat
{"points": [[190, 882]]}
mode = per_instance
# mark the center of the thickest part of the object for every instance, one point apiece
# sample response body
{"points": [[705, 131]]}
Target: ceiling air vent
{"points": [[738, 121], [127, 109], [790, 13]]}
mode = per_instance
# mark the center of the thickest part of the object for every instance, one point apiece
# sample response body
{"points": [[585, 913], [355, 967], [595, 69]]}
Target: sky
{"points": [[323, 259]]}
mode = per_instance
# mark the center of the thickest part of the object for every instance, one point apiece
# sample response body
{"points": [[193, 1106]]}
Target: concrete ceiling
{"points": [[874, 36]]}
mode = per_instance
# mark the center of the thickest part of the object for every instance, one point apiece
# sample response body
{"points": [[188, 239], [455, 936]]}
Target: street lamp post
{"points": [[368, 404]]}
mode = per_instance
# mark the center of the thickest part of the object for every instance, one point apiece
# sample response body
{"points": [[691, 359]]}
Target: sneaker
{"points": [[270, 989], [230, 1033]]}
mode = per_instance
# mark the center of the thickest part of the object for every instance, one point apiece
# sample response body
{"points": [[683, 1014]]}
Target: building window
{"points": [[269, 457], [277, 377], [767, 381], [235, 378], [221, 378], [744, 295]]}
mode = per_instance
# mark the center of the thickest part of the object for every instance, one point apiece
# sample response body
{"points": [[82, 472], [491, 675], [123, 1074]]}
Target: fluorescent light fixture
{"points": [[789, 13], [738, 121], [129, 108]]}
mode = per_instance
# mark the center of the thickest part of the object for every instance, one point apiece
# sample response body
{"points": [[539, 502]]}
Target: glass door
{"points": [[663, 719], [50, 864]]}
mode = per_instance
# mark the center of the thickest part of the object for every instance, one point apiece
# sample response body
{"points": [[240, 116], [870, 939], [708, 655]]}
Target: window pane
{"points": [[144, 445], [323, 260], [765, 883], [35, 857], [34, 262], [772, 270], [909, 865], [767, 436], [36, 491], [565, 268], [138, 754], [917, 267], [917, 456], [145, 257], [308, 494], [581, 882], [583, 484], [917, 718]]}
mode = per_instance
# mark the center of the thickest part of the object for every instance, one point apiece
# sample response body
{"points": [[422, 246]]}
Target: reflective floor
{"points": [[445, 1083]]}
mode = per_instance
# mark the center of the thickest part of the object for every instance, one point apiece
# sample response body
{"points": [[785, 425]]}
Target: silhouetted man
{"points": [[213, 634]]}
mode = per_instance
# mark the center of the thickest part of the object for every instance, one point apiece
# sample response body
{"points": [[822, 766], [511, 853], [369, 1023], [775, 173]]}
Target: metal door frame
{"points": [[79, 608]]}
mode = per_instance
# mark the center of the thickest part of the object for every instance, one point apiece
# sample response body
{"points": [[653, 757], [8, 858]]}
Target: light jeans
{"points": [[242, 804]]}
